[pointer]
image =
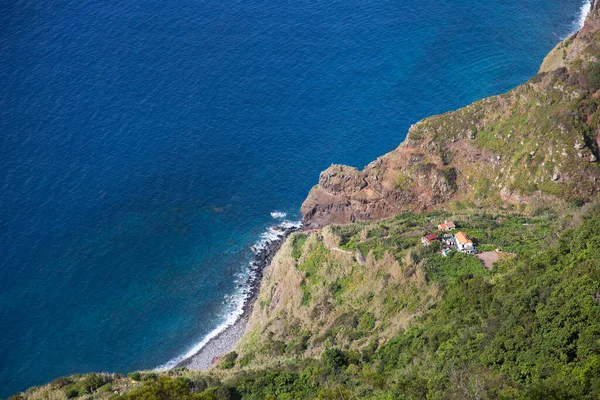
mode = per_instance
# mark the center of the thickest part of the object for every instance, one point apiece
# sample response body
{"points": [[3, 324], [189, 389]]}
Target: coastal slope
{"points": [[365, 310], [536, 144]]}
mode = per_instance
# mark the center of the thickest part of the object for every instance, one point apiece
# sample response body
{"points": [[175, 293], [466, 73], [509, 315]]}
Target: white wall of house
{"points": [[464, 247]]}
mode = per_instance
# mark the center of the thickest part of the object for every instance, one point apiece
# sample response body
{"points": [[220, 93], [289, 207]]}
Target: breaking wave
{"points": [[278, 214], [234, 304], [585, 10]]}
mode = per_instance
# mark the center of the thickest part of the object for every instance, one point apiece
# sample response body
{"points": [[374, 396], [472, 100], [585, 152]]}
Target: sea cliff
{"points": [[536, 144], [362, 309]]}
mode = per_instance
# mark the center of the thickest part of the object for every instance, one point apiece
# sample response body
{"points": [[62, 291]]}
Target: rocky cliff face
{"points": [[540, 141]]}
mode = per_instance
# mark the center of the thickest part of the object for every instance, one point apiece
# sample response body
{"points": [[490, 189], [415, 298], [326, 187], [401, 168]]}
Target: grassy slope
{"points": [[546, 128], [537, 144], [404, 322]]}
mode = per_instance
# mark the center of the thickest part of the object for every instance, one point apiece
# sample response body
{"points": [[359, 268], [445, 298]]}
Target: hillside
{"points": [[536, 144], [366, 311], [362, 309], [391, 318]]}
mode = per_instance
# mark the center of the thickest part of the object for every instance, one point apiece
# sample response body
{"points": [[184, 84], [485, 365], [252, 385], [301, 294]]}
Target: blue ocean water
{"points": [[144, 143]]}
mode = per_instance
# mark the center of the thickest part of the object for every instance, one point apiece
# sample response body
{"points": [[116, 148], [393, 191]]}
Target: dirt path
{"points": [[334, 248], [488, 258]]}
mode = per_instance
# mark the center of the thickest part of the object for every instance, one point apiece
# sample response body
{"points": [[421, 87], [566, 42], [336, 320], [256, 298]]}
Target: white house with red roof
{"points": [[447, 226], [463, 243]]}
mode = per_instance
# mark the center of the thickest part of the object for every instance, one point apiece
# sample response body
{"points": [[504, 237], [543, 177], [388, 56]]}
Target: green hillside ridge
{"points": [[361, 309], [537, 144], [403, 322]]}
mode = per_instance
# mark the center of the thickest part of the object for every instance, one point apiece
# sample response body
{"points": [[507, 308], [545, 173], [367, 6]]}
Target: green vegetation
{"points": [[407, 323], [594, 74], [529, 329], [165, 387], [75, 386], [136, 376], [365, 311], [298, 240], [536, 141], [228, 360], [403, 181]]}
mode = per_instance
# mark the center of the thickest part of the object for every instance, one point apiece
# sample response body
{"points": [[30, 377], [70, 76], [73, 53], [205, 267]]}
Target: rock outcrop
{"points": [[540, 140], [404, 179]]}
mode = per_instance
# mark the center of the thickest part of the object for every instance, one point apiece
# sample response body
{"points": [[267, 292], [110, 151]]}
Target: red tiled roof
{"points": [[462, 238], [446, 226], [431, 237]]}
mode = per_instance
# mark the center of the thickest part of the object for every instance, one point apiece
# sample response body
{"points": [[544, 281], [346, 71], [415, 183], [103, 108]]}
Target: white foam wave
{"points": [[273, 233], [291, 224], [235, 308], [583, 13], [278, 214], [234, 304]]}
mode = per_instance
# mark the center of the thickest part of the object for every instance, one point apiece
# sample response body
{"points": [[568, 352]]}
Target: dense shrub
{"points": [[335, 359], [136, 376], [150, 376], [167, 388], [594, 76], [228, 360], [61, 382]]}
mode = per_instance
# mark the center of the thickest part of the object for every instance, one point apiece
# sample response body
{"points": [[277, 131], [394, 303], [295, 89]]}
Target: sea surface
{"points": [[144, 145]]}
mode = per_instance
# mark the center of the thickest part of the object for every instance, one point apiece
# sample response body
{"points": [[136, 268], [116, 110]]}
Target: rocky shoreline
{"points": [[227, 339]]}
